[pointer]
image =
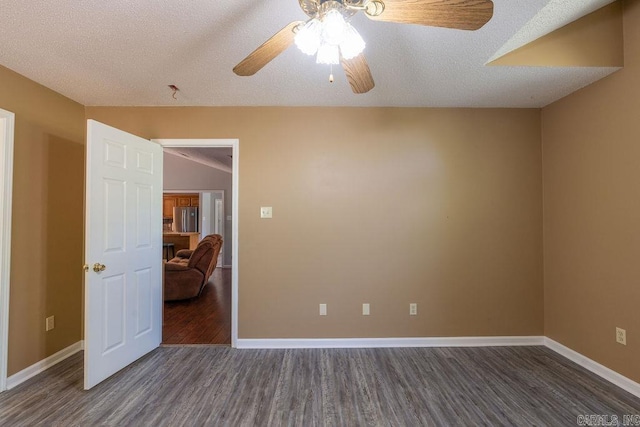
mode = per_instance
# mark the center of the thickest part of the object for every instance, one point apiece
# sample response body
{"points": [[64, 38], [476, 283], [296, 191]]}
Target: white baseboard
{"points": [[593, 366], [33, 370], [390, 342], [598, 369]]}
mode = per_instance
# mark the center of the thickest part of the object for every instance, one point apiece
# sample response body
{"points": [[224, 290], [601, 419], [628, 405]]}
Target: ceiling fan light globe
{"points": [[353, 44], [309, 37], [328, 54], [333, 27]]}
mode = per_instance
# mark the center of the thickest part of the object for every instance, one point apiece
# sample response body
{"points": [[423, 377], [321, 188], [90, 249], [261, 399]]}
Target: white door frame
{"points": [[7, 125], [235, 146]]}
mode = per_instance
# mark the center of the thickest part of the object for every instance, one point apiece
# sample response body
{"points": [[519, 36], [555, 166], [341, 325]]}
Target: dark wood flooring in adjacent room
{"points": [[223, 386], [202, 320]]}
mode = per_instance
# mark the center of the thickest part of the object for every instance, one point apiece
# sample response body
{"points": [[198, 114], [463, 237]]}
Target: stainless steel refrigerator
{"points": [[185, 219]]}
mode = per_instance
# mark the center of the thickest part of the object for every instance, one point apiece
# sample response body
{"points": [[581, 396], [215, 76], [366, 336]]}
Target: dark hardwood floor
{"points": [[222, 386], [202, 320]]}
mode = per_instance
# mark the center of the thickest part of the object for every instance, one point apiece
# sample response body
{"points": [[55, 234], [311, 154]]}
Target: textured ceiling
{"points": [[215, 157], [556, 14], [123, 52]]}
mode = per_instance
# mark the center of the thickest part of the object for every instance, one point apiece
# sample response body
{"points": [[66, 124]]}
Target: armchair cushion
{"points": [[184, 253], [175, 266]]}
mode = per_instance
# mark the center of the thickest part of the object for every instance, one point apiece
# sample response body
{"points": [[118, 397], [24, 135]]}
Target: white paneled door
{"points": [[123, 250]]}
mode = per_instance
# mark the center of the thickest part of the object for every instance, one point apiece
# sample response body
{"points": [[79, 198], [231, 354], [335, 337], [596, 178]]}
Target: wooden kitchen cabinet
{"points": [[168, 203], [171, 200], [182, 240], [183, 201]]}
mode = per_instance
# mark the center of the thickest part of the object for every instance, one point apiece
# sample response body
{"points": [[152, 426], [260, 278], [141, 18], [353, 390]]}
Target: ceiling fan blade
{"points": [[458, 14], [358, 74], [267, 51]]}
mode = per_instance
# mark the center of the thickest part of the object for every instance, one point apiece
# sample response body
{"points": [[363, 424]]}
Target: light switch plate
{"points": [[266, 212], [323, 309], [50, 323], [365, 309]]}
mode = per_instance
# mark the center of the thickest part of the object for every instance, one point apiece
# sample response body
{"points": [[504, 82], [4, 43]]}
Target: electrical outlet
{"points": [[621, 336], [266, 212], [323, 309], [413, 309], [50, 323], [365, 309]]}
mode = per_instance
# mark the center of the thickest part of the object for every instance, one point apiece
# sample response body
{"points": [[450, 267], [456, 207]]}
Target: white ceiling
{"points": [[215, 157], [123, 52]]}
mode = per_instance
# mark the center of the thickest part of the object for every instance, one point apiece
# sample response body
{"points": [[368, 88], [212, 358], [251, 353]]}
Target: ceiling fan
{"points": [[329, 35]]}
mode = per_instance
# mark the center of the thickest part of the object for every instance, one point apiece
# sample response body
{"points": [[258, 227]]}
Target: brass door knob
{"points": [[97, 267]]}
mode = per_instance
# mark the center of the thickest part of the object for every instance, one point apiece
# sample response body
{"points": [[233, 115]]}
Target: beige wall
{"points": [[385, 206], [591, 213], [182, 174], [46, 250]]}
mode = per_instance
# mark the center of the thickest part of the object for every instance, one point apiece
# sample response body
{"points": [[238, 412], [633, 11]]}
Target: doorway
{"points": [[216, 306], [204, 318], [7, 123], [147, 294]]}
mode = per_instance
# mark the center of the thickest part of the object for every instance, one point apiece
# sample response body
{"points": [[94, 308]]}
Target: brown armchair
{"points": [[186, 274]]}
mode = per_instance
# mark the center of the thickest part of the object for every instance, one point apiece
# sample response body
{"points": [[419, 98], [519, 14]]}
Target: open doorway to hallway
{"points": [[202, 315]]}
